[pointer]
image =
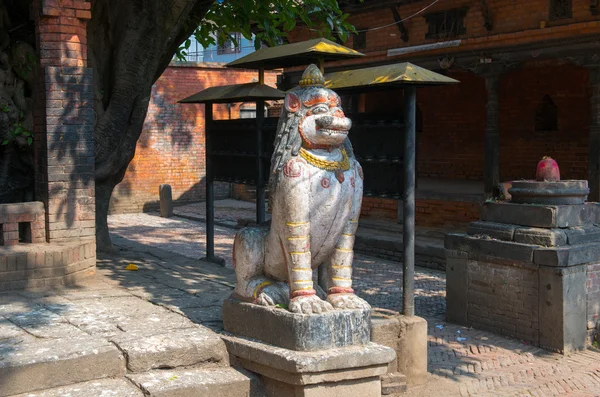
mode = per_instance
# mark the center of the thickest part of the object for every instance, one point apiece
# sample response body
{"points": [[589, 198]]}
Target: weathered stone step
{"points": [[182, 348], [95, 388], [193, 382], [44, 364]]}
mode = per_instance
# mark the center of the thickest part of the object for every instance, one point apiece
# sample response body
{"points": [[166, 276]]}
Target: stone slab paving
{"points": [[174, 293], [462, 361]]}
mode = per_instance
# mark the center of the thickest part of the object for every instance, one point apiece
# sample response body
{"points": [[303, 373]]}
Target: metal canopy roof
{"points": [[387, 75], [235, 93], [296, 54]]}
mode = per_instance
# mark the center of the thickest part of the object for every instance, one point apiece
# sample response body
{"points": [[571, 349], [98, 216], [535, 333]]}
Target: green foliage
{"points": [[18, 130], [269, 21]]}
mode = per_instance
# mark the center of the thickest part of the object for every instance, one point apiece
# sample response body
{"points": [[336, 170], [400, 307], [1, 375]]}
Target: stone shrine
{"points": [[301, 340], [530, 268]]}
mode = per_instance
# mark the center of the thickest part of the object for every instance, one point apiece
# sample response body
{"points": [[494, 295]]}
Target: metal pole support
{"points": [[260, 163], [408, 265], [210, 190]]}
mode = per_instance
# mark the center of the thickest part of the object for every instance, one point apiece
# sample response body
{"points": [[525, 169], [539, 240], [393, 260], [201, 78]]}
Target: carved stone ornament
{"points": [[316, 192]]}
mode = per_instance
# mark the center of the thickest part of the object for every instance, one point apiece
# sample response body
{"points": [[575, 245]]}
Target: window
{"points": [[446, 24], [546, 115], [230, 46], [248, 111], [595, 7], [359, 40], [561, 9]]}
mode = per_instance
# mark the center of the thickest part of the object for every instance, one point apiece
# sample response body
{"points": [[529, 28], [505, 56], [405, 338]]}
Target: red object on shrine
{"points": [[547, 170]]}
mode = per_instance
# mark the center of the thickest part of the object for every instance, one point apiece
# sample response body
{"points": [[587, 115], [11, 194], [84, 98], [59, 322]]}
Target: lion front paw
{"points": [[273, 295], [347, 301], [311, 304]]}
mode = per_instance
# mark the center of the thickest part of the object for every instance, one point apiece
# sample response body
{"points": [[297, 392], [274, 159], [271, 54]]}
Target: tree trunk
{"points": [[130, 44], [104, 190]]}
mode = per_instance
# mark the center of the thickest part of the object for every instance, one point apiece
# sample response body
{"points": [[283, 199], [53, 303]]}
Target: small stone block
{"points": [[562, 309], [539, 236], [583, 234], [499, 231], [412, 350], [569, 255], [197, 382], [539, 215], [166, 201], [495, 248], [303, 368], [44, 364], [293, 331], [180, 348]]}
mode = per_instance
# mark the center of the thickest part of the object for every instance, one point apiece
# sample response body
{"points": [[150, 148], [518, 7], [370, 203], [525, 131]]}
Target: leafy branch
{"points": [[267, 21], [18, 130]]}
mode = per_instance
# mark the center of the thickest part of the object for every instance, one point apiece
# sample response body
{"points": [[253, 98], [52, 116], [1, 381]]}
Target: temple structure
{"points": [[530, 87]]}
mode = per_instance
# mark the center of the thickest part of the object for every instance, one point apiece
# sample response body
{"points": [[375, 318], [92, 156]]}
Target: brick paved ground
{"points": [[462, 361]]}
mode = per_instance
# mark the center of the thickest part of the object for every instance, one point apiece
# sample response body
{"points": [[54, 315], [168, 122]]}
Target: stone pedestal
{"points": [[306, 355], [299, 332], [408, 337], [529, 271]]}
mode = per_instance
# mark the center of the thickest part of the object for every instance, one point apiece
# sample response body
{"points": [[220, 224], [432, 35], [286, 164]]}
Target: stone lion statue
{"points": [[316, 188]]}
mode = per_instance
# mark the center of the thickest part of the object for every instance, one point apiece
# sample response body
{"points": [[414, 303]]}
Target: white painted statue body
{"points": [[316, 192]]}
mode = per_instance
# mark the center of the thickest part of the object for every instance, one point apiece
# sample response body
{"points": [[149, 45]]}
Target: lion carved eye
{"points": [[320, 109]]}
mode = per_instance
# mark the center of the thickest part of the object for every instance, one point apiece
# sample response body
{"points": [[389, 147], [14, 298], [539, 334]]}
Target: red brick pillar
{"points": [[64, 120]]}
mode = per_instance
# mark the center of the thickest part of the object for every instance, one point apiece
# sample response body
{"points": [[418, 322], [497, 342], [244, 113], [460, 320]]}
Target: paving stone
{"points": [[100, 388], [51, 363], [227, 382], [187, 347], [213, 297], [203, 315]]}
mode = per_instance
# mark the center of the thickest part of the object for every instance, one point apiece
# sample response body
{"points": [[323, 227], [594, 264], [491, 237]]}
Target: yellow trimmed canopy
{"points": [[296, 54], [235, 93], [396, 74]]}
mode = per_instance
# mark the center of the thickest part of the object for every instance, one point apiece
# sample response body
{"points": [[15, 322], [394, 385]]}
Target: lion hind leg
{"points": [[249, 260]]}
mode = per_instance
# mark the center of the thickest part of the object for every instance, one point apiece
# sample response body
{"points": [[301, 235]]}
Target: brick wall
{"points": [[432, 213], [171, 147], [64, 120], [521, 147], [503, 299], [22, 222]]}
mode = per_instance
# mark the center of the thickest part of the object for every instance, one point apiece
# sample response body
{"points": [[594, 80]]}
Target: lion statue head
{"points": [[312, 118]]}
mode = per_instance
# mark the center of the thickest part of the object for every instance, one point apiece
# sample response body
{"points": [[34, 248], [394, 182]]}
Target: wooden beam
{"points": [[357, 6], [487, 15], [400, 24], [491, 173]]}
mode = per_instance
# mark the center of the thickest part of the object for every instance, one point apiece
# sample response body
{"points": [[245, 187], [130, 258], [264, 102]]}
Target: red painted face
{"points": [[323, 124]]}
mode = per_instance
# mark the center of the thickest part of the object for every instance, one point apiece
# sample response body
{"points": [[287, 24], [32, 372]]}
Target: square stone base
{"points": [[346, 371], [293, 331], [408, 336], [370, 387]]}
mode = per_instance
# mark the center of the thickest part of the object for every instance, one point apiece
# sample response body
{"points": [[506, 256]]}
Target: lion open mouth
{"points": [[331, 131]]}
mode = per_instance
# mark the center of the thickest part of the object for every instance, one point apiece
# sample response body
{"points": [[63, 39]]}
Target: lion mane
{"points": [[288, 142]]}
